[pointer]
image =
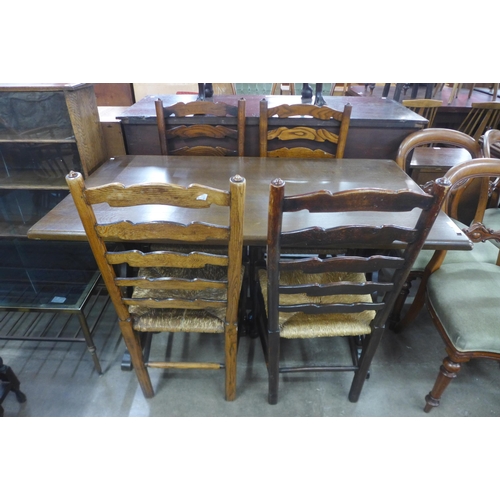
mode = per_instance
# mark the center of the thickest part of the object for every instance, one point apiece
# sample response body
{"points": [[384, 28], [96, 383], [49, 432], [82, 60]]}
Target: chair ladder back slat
{"points": [[136, 258], [154, 231], [353, 264], [337, 308], [337, 288], [171, 283], [175, 303], [356, 201], [364, 236], [192, 196]]}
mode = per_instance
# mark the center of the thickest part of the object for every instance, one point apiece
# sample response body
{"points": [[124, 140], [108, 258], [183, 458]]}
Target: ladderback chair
{"points": [[276, 124], [426, 108], [187, 128], [463, 298], [339, 295], [167, 290]]}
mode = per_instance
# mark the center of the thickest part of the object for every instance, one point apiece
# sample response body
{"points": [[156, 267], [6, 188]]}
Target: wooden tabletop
{"points": [[365, 110], [300, 175]]}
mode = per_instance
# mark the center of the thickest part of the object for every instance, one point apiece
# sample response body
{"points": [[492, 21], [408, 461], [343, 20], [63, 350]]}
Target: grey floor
{"points": [[60, 379]]}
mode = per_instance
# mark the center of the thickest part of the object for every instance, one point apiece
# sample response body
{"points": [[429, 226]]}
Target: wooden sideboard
{"points": [[377, 125]]}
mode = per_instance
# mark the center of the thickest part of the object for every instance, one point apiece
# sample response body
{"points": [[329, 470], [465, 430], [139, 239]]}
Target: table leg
{"points": [[307, 91], [319, 99]]}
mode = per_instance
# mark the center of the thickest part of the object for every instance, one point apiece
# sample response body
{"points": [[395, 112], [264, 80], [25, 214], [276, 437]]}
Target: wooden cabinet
{"points": [[46, 130], [114, 94]]}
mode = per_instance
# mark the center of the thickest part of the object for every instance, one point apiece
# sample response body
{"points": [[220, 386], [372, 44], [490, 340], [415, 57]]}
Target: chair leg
{"points": [[472, 85], [364, 363], [135, 350], [495, 91], [231, 347], [273, 355], [400, 302], [447, 373], [415, 307]]}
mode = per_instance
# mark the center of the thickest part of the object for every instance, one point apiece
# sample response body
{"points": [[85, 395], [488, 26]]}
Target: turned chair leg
{"points": [[448, 371]]}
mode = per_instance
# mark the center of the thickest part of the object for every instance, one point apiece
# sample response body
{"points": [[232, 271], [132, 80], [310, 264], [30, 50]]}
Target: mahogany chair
{"points": [[428, 260], [481, 117], [426, 108], [339, 296], [463, 299], [275, 126], [168, 291], [436, 156], [187, 128]]}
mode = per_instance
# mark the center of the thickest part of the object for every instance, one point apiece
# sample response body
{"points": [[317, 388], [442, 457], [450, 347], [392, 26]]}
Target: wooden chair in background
{"points": [[309, 297], [463, 298], [224, 88], [426, 108], [345, 88], [457, 87], [275, 126], [169, 291], [283, 89], [482, 117], [197, 137]]}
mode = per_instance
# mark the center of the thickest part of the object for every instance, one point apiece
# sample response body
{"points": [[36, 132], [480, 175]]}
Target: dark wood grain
{"points": [[312, 174]]}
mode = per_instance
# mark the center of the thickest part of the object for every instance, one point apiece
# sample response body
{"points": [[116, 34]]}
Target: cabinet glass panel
{"points": [[34, 116], [20, 209], [37, 165]]}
